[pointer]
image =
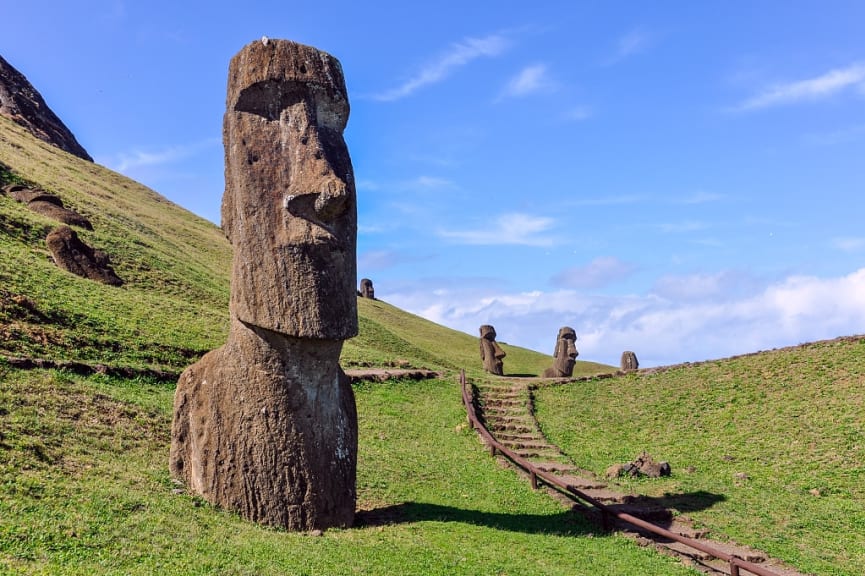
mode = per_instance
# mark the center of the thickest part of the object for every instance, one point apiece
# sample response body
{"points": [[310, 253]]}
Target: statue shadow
{"points": [[562, 523], [567, 523]]}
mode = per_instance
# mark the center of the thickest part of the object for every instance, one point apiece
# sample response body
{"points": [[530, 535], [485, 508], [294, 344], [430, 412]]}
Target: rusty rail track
{"points": [[537, 475]]}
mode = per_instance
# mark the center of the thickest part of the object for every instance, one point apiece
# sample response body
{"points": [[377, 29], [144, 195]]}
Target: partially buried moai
{"points": [[366, 289], [629, 362], [565, 354], [266, 425], [491, 353]]}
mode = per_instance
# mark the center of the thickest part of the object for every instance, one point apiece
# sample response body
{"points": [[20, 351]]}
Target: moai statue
{"points": [[629, 361], [565, 354], [266, 425], [366, 289], [491, 353]]}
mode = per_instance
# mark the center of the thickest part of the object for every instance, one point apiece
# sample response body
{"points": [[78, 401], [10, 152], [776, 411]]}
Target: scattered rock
{"points": [[643, 466], [73, 255]]}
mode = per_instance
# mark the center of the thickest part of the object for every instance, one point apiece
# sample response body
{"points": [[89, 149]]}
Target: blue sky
{"points": [[680, 179]]}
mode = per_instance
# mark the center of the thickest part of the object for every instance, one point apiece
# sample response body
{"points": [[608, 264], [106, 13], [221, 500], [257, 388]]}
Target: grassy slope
{"points": [[790, 420], [84, 486], [174, 305], [84, 489]]}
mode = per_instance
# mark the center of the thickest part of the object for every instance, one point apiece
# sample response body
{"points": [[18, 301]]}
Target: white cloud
{"points": [[529, 80], [823, 86], [515, 228], [458, 55], [619, 200], [849, 244], [628, 45], [429, 182], [126, 161], [660, 329], [599, 272], [699, 197], [682, 227]]}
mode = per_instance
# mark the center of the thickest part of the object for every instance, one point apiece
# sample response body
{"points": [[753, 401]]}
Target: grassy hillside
{"points": [[777, 435], [173, 306], [84, 484]]}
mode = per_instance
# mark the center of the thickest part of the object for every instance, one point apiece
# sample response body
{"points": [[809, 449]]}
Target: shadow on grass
{"points": [[566, 523]]}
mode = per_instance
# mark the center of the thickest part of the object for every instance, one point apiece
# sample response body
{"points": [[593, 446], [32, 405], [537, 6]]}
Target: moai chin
{"points": [[366, 289], [565, 354], [266, 425], [492, 354]]}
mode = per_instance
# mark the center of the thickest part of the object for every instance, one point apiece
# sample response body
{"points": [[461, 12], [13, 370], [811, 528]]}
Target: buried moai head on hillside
{"points": [[565, 354], [289, 187], [491, 353], [366, 289]]}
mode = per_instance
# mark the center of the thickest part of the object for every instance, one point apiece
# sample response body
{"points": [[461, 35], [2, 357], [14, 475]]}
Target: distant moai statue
{"points": [[366, 289], [491, 353], [565, 354], [266, 425], [629, 361]]}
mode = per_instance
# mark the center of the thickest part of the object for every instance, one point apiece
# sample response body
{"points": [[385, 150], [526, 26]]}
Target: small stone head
{"points": [[629, 361], [366, 289], [289, 207], [566, 351], [491, 353]]}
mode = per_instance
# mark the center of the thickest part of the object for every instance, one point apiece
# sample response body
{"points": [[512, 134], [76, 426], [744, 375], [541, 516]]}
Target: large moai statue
{"points": [[491, 353], [266, 425], [366, 289], [565, 354]]}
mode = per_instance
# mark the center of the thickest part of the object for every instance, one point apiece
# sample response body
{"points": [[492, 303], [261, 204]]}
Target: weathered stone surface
{"points": [[643, 465], [20, 102], [366, 289], [290, 190], [47, 204], [629, 361], [73, 255], [267, 425], [565, 354], [491, 353]]}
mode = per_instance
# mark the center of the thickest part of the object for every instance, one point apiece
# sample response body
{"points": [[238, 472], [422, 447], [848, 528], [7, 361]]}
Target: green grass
{"points": [[791, 421], [84, 489]]}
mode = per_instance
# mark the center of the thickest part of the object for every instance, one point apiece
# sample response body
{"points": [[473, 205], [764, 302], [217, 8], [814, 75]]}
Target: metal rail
{"points": [[574, 493]]}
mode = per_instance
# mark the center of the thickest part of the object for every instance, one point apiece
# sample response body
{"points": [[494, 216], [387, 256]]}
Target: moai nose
{"points": [[331, 200]]}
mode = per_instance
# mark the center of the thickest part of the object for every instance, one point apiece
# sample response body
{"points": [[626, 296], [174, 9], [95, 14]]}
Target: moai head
{"points": [[491, 353], [366, 289], [566, 351], [629, 361], [289, 207]]}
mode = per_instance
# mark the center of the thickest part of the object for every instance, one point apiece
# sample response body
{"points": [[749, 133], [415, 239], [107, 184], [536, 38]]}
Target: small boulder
{"points": [[643, 466]]}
